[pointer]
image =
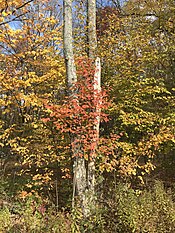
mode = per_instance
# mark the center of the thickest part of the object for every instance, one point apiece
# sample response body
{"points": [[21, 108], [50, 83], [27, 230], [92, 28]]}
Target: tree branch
{"points": [[11, 20], [19, 7], [14, 11], [22, 6]]}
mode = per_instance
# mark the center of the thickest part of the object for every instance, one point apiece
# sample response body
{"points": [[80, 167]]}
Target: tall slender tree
{"points": [[84, 172], [91, 26], [92, 46], [79, 170]]}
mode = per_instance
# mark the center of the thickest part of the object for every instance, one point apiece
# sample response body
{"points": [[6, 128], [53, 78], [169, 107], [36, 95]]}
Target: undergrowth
{"points": [[126, 211]]}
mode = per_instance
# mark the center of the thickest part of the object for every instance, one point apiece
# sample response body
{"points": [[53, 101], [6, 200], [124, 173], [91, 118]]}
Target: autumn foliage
{"points": [[79, 111], [42, 120]]}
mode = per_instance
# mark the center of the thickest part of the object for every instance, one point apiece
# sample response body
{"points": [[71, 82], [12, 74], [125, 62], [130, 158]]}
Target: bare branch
{"points": [[22, 6], [19, 7], [14, 11], [14, 19], [117, 4]]}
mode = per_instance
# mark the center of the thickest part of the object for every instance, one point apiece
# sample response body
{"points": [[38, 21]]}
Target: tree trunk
{"points": [[92, 45], [79, 169], [84, 179], [91, 28], [68, 47]]}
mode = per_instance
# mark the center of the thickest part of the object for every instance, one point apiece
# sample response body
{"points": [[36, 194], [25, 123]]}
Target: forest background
{"points": [[134, 156]]}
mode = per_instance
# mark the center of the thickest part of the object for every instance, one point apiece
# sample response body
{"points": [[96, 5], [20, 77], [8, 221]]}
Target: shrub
{"points": [[125, 210], [5, 220], [150, 211]]}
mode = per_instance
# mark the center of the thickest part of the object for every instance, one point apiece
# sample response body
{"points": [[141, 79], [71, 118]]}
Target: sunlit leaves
{"points": [[77, 115], [31, 69], [138, 63]]}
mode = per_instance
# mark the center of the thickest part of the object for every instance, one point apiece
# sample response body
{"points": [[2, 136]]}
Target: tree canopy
{"points": [[123, 131]]}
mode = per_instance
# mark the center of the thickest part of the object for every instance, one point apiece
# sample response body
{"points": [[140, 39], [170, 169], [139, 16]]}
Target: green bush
{"points": [[125, 210], [150, 211], [94, 223], [5, 220], [29, 215], [33, 221]]}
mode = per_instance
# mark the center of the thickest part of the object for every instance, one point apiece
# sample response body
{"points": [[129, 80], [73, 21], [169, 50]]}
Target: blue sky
{"points": [[16, 24]]}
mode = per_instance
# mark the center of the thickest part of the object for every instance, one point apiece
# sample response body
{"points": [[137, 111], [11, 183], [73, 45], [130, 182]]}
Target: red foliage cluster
{"points": [[79, 112]]}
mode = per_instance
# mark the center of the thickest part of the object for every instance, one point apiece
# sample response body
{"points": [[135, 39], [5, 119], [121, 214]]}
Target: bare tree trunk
{"points": [[79, 169], [92, 45], [68, 47], [84, 179], [91, 28], [91, 162]]}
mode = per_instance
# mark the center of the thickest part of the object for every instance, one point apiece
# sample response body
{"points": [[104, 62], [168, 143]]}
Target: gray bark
{"points": [[84, 180], [79, 169], [91, 162], [91, 28], [92, 45], [68, 46]]}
